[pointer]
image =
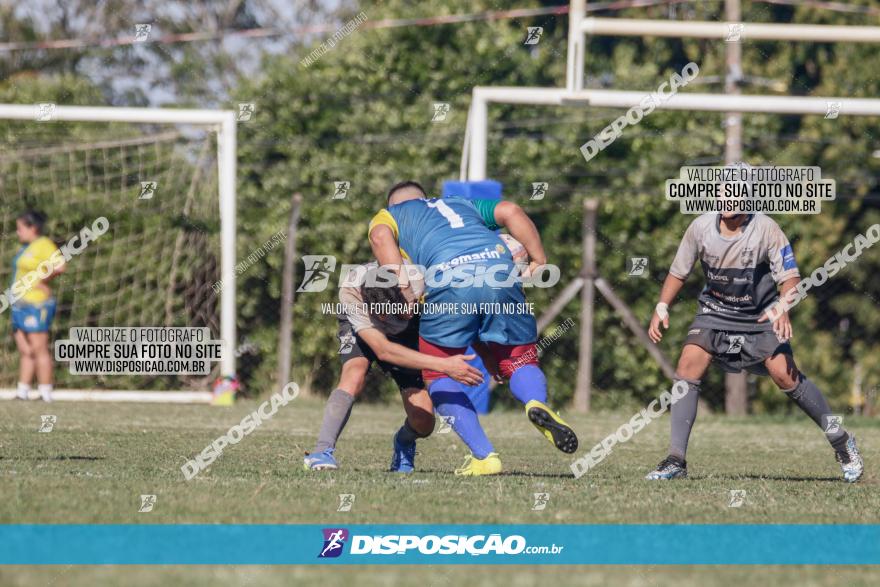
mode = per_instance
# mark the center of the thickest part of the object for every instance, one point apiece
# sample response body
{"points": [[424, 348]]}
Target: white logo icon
{"points": [[246, 111], [318, 271], [734, 32], [147, 503], [833, 424], [541, 501], [736, 343], [638, 266], [346, 343], [737, 498], [441, 109], [446, 424], [340, 189], [148, 189], [534, 35], [346, 500], [45, 112], [832, 110], [334, 543], [142, 32], [539, 190], [47, 423]]}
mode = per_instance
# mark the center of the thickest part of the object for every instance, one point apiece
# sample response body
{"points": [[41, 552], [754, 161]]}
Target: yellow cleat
{"points": [[474, 467], [552, 426]]}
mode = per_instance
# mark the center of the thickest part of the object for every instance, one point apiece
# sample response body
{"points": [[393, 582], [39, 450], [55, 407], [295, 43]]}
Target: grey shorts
{"points": [[352, 346], [735, 351]]}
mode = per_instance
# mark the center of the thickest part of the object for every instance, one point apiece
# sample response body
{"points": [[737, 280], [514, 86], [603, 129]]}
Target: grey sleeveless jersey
{"points": [[742, 272]]}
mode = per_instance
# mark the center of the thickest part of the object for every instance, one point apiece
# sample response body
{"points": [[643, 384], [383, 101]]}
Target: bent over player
{"points": [[451, 236], [745, 257], [391, 341]]}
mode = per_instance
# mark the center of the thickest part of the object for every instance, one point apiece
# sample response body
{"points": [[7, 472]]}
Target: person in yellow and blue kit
{"points": [[32, 305]]}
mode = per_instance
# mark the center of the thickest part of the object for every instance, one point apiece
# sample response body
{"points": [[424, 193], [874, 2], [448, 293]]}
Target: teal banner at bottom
{"points": [[356, 544]]}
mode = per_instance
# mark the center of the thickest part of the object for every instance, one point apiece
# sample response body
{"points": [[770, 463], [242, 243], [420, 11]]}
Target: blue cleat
{"points": [[404, 458], [320, 461], [669, 468]]}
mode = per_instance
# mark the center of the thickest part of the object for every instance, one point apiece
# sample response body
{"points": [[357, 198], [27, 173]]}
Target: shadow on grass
{"points": [[501, 474], [55, 458], [754, 477]]}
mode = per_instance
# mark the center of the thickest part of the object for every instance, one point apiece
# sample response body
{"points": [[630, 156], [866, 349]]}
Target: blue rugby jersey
{"points": [[445, 232]]}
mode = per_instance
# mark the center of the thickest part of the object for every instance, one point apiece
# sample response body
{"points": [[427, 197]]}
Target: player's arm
{"points": [[681, 268], [385, 246], [671, 286], [56, 258], [784, 270], [57, 267], [782, 322], [391, 352], [520, 226], [383, 241]]}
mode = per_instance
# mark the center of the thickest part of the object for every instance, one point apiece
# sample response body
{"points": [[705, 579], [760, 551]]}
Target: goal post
{"points": [[219, 123], [474, 156]]}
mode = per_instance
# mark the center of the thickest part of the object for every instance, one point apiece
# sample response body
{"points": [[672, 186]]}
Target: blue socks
{"points": [[528, 383], [450, 401]]}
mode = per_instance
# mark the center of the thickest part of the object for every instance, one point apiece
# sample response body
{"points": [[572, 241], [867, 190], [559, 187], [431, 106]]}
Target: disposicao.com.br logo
{"points": [[451, 544]]}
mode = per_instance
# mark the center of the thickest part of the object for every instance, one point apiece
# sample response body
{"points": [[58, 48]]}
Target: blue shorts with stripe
{"points": [[457, 316], [33, 317]]}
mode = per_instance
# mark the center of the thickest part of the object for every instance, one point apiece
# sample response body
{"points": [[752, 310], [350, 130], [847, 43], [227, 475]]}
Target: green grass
{"points": [[99, 459]]}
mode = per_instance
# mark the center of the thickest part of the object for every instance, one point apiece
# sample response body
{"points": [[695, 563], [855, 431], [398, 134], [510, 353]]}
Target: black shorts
{"points": [[352, 346], [735, 351]]}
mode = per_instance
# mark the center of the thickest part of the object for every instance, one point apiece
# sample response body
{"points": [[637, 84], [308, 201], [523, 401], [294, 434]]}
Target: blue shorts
{"points": [[33, 317], [459, 316]]}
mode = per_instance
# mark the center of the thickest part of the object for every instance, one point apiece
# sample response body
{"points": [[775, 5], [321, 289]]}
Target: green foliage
{"points": [[362, 113]]}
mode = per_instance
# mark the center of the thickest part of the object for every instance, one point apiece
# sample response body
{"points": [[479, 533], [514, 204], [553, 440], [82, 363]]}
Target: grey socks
{"points": [[407, 435], [806, 395], [336, 414], [808, 398], [683, 413]]}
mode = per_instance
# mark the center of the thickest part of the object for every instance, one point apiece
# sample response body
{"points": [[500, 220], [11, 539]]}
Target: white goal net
{"points": [[161, 257]]}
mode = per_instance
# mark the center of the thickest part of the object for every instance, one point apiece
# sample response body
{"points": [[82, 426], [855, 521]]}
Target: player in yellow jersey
{"points": [[32, 303]]}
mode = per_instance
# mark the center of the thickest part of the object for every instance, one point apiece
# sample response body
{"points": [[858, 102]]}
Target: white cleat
{"points": [[850, 460]]}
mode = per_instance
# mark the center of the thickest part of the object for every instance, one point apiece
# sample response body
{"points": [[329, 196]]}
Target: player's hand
{"points": [[533, 268], [781, 325], [654, 332], [458, 368]]}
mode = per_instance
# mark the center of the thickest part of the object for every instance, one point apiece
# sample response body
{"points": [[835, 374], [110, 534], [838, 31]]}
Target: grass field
{"points": [[99, 459]]}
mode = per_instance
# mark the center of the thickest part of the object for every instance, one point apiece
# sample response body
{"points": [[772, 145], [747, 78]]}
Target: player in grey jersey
{"points": [[747, 262]]}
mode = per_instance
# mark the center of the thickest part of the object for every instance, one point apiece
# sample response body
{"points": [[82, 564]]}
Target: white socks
{"points": [[23, 390], [45, 390]]}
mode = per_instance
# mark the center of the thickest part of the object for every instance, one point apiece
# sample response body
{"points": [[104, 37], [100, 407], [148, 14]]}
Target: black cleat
{"points": [[552, 426]]}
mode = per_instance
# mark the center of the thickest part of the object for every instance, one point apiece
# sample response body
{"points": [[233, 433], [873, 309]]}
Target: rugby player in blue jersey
{"points": [[368, 337], [455, 240]]}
